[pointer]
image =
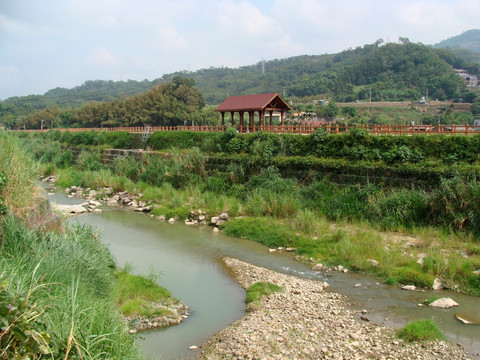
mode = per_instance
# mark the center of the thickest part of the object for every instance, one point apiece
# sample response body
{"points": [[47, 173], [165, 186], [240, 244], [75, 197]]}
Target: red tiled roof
{"points": [[250, 102]]}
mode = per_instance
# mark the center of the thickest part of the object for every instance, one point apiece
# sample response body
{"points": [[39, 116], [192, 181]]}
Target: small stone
{"points": [[358, 285], [224, 216], [437, 284], [272, 250], [409, 287], [171, 220], [318, 267], [215, 229], [193, 347], [373, 262]]}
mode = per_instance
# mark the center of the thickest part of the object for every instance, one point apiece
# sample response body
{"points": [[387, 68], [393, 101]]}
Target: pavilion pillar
{"points": [[281, 116], [263, 118], [271, 117], [223, 120], [251, 114], [241, 121], [232, 113]]}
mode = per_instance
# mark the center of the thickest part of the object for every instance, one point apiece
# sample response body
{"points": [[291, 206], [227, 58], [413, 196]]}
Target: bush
{"points": [[420, 330], [89, 161], [127, 166], [400, 209]]}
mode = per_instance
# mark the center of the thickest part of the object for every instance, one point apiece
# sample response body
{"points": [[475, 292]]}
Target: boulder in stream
{"points": [[443, 303]]}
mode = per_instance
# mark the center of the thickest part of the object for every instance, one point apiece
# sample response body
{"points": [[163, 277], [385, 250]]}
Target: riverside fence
{"points": [[298, 129]]}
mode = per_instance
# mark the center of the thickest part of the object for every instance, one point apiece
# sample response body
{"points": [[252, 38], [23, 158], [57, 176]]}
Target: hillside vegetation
{"points": [[172, 103], [386, 72], [468, 40]]}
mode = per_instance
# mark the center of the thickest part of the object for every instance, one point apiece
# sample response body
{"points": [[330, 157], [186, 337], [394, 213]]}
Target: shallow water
{"points": [[187, 261]]}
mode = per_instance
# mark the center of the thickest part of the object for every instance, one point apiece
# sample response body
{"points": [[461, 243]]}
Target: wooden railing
{"points": [[303, 129]]}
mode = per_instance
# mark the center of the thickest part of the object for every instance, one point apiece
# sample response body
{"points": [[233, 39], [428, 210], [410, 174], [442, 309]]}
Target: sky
{"points": [[46, 44]]}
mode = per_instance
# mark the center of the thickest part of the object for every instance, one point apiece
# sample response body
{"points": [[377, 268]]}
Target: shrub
{"points": [[22, 335], [400, 208], [126, 166], [420, 330], [89, 161]]}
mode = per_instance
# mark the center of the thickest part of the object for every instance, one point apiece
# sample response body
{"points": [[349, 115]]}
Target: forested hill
{"points": [[469, 40], [385, 71], [465, 46]]}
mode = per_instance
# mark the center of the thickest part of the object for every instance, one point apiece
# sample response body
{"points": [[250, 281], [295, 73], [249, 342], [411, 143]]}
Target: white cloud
{"points": [[244, 17], [58, 43]]}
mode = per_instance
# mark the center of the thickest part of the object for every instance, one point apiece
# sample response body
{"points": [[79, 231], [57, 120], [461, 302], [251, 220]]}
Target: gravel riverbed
{"points": [[306, 322]]}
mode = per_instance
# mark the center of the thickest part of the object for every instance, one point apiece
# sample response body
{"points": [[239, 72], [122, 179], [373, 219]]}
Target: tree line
{"points": [[175, 103]]}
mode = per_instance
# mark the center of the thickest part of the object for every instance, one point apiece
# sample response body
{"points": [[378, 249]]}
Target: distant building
{"points": [[470, 80]]}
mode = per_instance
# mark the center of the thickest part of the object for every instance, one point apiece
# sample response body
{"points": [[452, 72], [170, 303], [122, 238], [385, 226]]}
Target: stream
{"points": [[187, 262]]}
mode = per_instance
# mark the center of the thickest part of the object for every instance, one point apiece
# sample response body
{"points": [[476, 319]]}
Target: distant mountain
{"points": [[469, 40], [466, 46], [384, 72]]}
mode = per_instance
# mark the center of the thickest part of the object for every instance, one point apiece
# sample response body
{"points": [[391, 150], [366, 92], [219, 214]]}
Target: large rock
{"points": [[69, 209], [443, 303]]}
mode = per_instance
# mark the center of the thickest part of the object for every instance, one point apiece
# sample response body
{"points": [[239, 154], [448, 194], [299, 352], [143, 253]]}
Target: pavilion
{"points": [[251, 104]]}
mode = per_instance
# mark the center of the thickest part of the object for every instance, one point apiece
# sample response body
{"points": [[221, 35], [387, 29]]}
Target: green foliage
{"points": [[22, 335], [68, 278], [261, 229], [138, 295], [19, 170], [457, 202], [399, 209], [260, 289], [3, 184], [413, 275], [167, 104], [420, 330], [88, 161], [127, 166]]}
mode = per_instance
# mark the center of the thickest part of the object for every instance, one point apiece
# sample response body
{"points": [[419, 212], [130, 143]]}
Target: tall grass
{"points": [[20, 171], [74, 275]]}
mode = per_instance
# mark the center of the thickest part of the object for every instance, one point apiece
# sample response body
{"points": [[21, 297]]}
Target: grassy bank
{"points": [[62, 284], [56, 287], [400, 234], [282, 220]]}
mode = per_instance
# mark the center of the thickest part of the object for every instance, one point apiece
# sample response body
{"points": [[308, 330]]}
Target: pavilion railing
{"points": [[301, 129]]}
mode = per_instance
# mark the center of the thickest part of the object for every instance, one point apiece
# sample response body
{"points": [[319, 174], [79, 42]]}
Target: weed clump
{"points": [[259, 290], [420, 330]]}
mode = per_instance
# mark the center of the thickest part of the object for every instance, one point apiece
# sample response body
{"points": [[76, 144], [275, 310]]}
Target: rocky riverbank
{"points": [[306, 322]]}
